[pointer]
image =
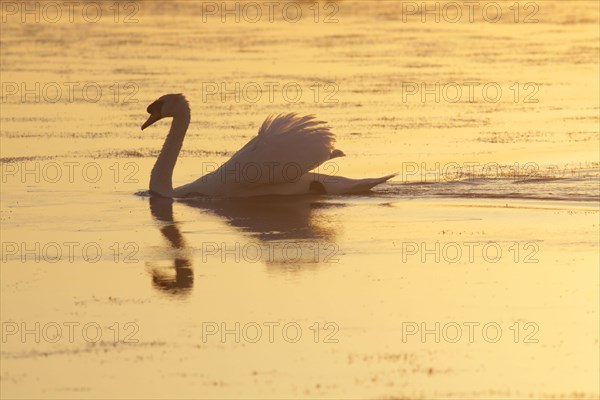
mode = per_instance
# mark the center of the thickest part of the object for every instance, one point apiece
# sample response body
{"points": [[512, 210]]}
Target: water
{"points": [[492, 219]]}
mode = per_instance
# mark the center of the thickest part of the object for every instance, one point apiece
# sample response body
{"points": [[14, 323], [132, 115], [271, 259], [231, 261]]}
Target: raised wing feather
{"points": [[287, 146]]}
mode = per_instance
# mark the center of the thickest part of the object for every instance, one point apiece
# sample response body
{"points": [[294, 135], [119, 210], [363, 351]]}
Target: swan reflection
{"points": [[270, 218], [162, 278], [283, 233]]}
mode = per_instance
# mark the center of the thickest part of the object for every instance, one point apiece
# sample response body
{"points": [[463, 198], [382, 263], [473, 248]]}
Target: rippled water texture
{"points": [[472, 274]]}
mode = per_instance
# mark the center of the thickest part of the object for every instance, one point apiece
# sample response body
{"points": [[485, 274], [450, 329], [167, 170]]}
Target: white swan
{"points": [[275, 162]]}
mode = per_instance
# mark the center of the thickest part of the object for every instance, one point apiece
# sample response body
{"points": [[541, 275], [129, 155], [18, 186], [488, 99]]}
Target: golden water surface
{"points": [[471, 274]]}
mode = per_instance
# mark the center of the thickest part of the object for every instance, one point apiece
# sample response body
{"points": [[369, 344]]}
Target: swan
{"points": [[275, 162]]}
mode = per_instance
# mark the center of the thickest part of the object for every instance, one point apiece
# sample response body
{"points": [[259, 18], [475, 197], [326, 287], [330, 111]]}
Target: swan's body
{"points": [[275, 162]]}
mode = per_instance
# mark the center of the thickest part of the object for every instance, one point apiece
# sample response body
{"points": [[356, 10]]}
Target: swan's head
{"points": [[169, 105]]}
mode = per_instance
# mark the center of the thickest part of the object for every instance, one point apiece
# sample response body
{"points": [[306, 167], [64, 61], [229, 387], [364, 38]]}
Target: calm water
{"points": [[492, 219]]}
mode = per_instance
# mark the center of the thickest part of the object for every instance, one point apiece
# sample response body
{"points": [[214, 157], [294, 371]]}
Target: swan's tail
{"points": [[341, 185]]}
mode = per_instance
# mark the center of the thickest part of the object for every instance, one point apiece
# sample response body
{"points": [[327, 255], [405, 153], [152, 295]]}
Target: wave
{"points": [[585, 188]]}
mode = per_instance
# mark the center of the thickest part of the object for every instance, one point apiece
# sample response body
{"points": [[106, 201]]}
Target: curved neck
{"points": [[161, 178]]}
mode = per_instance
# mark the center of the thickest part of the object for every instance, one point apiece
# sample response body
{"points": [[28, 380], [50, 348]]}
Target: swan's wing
{"points": [[286, 147]]}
